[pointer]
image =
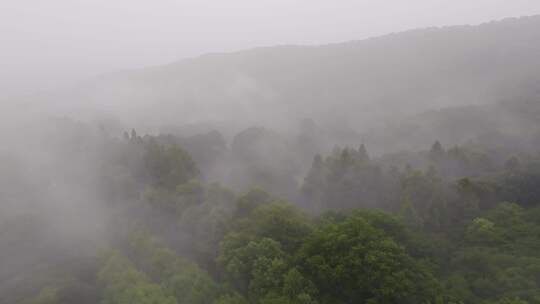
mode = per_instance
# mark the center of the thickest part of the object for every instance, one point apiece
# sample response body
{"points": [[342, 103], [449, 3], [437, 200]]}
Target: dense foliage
{"points": [[456, 225]]}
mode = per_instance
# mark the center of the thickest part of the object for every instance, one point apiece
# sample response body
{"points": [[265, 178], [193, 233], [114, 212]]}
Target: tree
{"points": [[437, 152], [354, 262], [234, 298], [178, 277], [133, 134], [281, 222], [247, 264], [363, 155], [481, 231], [168, 167], [251, 200], [123, 284], [47, 295]]}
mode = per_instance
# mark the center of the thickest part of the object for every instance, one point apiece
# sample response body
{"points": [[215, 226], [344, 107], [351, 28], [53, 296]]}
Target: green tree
{"points": [[353, 261], [123, 284]]}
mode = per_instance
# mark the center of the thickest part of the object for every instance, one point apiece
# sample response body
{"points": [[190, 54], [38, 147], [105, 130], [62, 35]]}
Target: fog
{"points": [[46, 44], [166, 152]]}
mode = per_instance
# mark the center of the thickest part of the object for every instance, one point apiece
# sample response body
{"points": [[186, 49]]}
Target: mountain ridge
{"points": [[360, 83]]}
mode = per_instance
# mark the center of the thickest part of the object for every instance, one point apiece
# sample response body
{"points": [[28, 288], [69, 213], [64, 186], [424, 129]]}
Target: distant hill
{"points": [[357, 84], [509, 128]]}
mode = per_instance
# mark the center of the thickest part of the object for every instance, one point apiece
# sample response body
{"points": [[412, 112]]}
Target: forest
{"points": [[457, 224], [402, 169]]}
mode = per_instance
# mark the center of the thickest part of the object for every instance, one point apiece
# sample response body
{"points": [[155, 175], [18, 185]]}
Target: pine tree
{"points": [[437, 152], [363, 154]]}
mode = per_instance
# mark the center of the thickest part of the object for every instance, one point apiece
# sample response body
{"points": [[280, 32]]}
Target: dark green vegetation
{"points": [[445, 225]]}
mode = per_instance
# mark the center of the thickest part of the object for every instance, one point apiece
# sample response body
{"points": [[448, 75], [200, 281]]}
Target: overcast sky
{"points": [[45, 43]]}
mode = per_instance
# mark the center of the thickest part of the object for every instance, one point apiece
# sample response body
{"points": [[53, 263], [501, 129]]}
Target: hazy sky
{"points": [[45, 43]]}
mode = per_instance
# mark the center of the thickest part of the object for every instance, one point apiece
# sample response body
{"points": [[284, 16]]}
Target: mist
{"points": [[269, 152], [52, 44]]}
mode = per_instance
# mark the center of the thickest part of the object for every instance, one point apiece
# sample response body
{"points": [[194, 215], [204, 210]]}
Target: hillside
{"points": [[348, 84]]}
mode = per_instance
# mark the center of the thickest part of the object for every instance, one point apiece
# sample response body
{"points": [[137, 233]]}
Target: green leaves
{"points": [[246, 261], [276, 256], [123, 284], [353, 261], [47, 295], [170, 166], [256, 256]]}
